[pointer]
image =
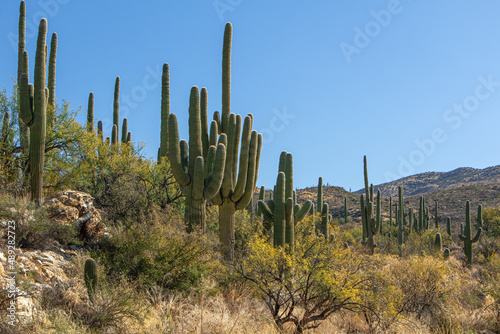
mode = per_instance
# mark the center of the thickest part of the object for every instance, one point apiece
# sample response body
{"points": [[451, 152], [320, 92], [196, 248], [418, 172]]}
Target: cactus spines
{"points": [[165, 111], [90, 114], [200, 175], [91, 278], [51, 103], [116, 107], [466, 235]]}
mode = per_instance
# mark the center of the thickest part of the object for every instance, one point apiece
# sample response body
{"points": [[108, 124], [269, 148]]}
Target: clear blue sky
{"points": [[414, 85]]}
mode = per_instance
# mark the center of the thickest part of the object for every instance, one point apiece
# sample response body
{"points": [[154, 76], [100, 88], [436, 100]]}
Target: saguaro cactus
{"points": [[319, 201], [90, 278], [401, 216], [466, 236], [116, 108], [90, 114], [165, 111], [33, 114], [200, 175], [282, 211], [240, 179], [371, 225], [437, 217], [22, 67]]}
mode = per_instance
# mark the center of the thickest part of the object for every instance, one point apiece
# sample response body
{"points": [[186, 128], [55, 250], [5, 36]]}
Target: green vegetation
{"points": [[179, 253]]}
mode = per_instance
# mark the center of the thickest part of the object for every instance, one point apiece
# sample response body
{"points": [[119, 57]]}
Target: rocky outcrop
{"points": [[77, 208]]}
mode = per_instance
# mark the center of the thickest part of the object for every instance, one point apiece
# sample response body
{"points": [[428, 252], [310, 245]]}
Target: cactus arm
{"points": [[290, 226], [478, 234], [250, 182], [52, 75], [195, 145], [213, 133], [204, 121], [236, 147], [319, 201], [198, 178], [300, 214], [227, 183], [124, 130], [26, 107], [226, 77], [265, 210], [279, 211], [215, 179], [245, 151], [175, 152], [209, 161], [289, 176]]}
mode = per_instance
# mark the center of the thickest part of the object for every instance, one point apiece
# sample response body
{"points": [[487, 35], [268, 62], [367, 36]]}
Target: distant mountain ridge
{"points": [[423, 183]]}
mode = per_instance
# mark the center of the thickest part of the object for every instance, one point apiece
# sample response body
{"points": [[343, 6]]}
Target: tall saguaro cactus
{"points": [[33, 114], [165, 110], [371, 225], [90, 114], [22, 67], [282, 211], [116, 107], [466, 236], [319, 201], [200, 175], [240, 178]]}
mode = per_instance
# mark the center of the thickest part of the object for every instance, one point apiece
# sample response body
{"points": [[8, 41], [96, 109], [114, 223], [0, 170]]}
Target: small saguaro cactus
{"points": [[282, 211], [91, 278], [438, 242], [326, 219], [466, 235], [437, 217], [448, 226]]}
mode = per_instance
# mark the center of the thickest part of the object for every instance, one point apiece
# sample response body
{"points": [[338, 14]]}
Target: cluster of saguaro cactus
{"points": [[111, 144], [282, 211], [201, 174], [466, 235], [371, 224]]}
